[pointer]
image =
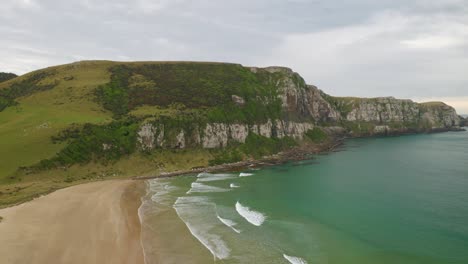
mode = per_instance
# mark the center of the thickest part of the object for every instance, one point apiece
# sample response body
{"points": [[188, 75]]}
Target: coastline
{"points": [[295, 154], [89, 223]]}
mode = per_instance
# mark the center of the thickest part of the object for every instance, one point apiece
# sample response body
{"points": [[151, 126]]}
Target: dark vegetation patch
{"points": [[255, 146], [99, 142], [342, 104], [317, 135], [24, 87], [258, 146], [224, 156], [5, 76], [206, 86]]}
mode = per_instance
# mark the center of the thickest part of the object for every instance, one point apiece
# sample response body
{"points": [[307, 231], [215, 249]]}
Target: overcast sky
{"points": [[415, 49]]}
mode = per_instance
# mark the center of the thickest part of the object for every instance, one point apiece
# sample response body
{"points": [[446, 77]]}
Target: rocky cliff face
{"points": [[303, 108], [463, 121], [217, 135]]}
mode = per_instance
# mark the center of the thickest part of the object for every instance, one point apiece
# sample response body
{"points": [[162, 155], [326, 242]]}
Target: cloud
{"points": [[353, 47], [392, 53]]}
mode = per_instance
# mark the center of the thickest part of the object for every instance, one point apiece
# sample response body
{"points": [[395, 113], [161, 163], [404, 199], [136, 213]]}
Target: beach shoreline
{"points": [[95, 222]]}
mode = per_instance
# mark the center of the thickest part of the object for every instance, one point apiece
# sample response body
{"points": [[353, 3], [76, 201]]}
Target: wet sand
{"points": [[90, 223]]}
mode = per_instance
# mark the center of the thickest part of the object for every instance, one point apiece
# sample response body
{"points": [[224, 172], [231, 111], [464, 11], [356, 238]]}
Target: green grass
{"points": [[26, 186], [205, 86], [26, 129], [433, 104]]}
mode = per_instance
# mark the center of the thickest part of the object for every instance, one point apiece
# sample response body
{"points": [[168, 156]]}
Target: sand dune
{"points": [[90, 223]]}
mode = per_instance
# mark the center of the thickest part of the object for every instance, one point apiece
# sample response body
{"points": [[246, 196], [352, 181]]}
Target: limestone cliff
{"points": [[304, 107]]}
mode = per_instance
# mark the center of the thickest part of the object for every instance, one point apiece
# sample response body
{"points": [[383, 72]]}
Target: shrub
{"points": [[317, 135], [258, 146], [207, 86], [226, 156], [25, 87], [5, 76], [100, 142]]}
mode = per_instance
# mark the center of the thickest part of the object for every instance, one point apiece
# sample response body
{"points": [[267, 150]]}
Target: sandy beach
{"points": [[89, 223]]}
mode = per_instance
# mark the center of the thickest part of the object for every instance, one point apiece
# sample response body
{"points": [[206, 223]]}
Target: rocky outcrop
{"points": [[382, 110], [299, 100], [218, 135], [388, 110], [463, 121]]}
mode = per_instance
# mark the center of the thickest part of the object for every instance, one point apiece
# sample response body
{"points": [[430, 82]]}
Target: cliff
{"points": [[107, 110], [304, 107]]}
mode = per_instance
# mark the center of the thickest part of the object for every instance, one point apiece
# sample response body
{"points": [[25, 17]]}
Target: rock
{"points": [[215, 136], [381, 129], [146, 136], [238, 100], [106, 147], [180, 140], [238, 132]]}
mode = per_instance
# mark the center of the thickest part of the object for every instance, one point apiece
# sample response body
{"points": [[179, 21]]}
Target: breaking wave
{"points": [[203, 188], [191, 210], [229, 223], [294, 260], [245, 174], [207, 177], [253, 217]]}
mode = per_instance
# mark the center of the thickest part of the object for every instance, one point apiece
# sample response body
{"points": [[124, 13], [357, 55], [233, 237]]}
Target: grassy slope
{"points": [[25, 130]]}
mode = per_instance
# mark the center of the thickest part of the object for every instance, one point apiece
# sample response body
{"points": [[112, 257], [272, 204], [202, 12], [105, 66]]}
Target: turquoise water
{"points": [[378, 200]]}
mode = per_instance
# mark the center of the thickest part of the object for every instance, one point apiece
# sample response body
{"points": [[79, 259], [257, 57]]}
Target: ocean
{"points": [[376, 200]]}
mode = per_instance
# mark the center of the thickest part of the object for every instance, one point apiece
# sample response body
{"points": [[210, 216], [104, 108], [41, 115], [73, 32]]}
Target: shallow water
{"points": [[379, 200]]}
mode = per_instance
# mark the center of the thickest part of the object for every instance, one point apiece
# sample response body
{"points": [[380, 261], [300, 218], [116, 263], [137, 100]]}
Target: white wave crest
{"points": [[203, 188], [253, 217], [193, 211], [229, 223], [207, 177], [233, 185], [160, 192], [294, 260], [245, 174]]}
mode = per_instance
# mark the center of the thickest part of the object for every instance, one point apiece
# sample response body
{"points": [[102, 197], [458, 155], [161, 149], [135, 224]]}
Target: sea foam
{"points": [[160, 192], [233, 185], [245, 174], [294, 260], [253, 217], [194, 211], [207, 177], [203, 188], [229, 223]]}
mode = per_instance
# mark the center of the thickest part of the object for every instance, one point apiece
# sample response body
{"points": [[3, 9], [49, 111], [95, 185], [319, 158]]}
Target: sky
{"points": [[415, 49]]}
